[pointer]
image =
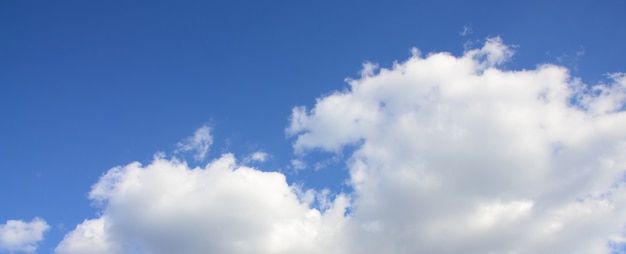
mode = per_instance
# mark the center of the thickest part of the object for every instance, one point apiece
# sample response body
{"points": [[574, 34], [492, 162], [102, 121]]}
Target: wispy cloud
{"points": [[199, 143], [467, 30], [298, 164], [256, 157]]}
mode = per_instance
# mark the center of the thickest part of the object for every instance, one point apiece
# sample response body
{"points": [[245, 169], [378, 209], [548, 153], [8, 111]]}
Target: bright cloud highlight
{"points": [[20, 236], [450, 154], [167, 207], [455, 155]]}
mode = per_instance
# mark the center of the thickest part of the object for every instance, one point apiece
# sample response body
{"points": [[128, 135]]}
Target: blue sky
{"points": [[87, 86]]}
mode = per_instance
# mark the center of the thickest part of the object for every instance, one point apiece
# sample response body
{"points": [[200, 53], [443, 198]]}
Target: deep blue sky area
{"points": [[89, 85]]}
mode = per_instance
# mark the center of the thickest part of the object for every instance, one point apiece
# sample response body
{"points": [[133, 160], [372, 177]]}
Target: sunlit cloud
{"points": [[457, 155], [20, 236], [447, 154]]}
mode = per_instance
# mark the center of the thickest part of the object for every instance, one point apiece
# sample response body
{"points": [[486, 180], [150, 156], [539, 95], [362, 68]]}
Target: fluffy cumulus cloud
{"points": [[448, 154], [167, 207], [20, 236], [456, 155]]}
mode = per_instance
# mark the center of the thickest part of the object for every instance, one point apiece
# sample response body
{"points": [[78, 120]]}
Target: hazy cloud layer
{"points": [[20, 236], [452, 155]]}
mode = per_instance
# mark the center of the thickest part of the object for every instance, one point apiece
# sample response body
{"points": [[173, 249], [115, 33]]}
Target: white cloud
{"points": [[167, 207], [455, 155], [467, 30], [20, 236], [298, 164], [449, 155], [91, 236], [199, 143], [256, 157]]}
